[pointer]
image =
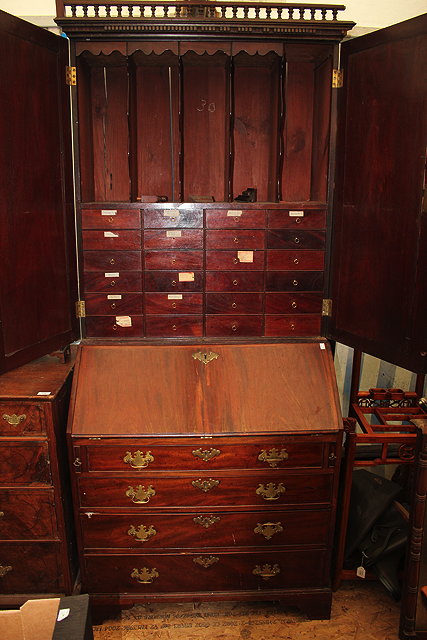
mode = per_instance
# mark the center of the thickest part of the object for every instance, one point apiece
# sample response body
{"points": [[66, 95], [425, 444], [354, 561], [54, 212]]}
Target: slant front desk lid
{"points": [[204, 389]]}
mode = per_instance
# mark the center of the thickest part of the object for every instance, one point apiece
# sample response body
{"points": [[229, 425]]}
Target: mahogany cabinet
{"points": [[37, 541]]}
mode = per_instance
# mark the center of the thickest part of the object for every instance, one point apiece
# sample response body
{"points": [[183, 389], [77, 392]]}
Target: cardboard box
{"points": [[48, 619]]}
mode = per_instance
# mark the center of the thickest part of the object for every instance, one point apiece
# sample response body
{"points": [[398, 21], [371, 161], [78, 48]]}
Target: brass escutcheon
{"points": [[270, 491], [144, 575], [205, 357], [273, 457], [206, 561], [14, 420], [142, 534], [268, 529], [207, 454], [206, 521], [4, 569], [205, 485], [140, 495], [266, 571], [138, 460]]}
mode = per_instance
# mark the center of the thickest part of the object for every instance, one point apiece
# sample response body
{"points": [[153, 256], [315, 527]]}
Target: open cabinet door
{"points": [[379, 260], [37, 246]]}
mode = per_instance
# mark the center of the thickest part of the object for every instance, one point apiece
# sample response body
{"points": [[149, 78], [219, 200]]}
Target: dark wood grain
{"points": [[27, 514], [35, 568], [235, 218], [171, 325], [295, 239], [278, 259], [108, 327], [239, 239], [112, 260], [294, 281], [223, 281], [293, 303], [183, 239], [158, 303], [234, 325], [187, 260], [121, 240], [119, 219], [304, 325], [234, 302], [282, 219], [103, 304], [173, 281], [124, 281], [233, 260], [173, 217]]}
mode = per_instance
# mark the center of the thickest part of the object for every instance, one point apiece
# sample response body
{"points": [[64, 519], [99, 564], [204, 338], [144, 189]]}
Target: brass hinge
{"points": [[71, 76], [327, 307], [80, 309], [337, 78]]}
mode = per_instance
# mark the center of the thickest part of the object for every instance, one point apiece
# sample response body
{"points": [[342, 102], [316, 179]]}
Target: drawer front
{"points": [[112, 260], [294, 281], [25, 462], [283, 219], [19, 419], [279, 259], [27, 514], [115, 280], [232, 325], [103, 304], [234, 281], [239, 239], [30, 568], [235, 219], [308, 325], [285, 303], [202, 530], [235, 260], [111, 219], [117, 326], [116, 240], [205, 571], [234, 303], [142, 492], [169, 218], [173, 281], [173, 239], [295, 239], [156, 303], [188, 260], [179, 325]]}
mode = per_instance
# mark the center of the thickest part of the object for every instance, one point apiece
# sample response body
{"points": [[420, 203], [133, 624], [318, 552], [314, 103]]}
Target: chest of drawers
{"points": [[206, 471]]}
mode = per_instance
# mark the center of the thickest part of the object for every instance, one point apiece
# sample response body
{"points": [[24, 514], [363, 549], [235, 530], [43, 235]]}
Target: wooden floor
{"points": [[360, 611]]}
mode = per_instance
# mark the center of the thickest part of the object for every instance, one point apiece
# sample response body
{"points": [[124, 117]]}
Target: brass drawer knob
{"points": [[235, 282], [112, 283], [235, 260], [233, 305], [207, 454], [140, 495], [294, 304], [205, 485], [206, 561], [295, 283], [112, 261], [206, 521], [273, 457], [270, 491], [266, 571], [1, 514], [14, 420], [235, 239], [296, 240], [142, 534], [296, 261], [173, 283], [4, 569], [138, 460], [144, 575], [268, 529]]}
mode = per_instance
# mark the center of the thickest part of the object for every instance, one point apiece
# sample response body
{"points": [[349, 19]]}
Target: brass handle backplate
{"points": [[138, 460], [142, 534], [14, 420], [206, 561], [271, 491], [268, 529], [206, 454], [144, 575], [140, 495], [273, 457], [266, 571], [205, 485], [4, 569], [206, 521]]}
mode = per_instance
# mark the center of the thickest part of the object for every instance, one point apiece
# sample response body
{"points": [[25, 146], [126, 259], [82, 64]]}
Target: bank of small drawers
{"points": [[165, 272]]}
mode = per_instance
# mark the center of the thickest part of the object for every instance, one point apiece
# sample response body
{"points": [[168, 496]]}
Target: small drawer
{"points": [[173, 239], [235, 218], [30, 568], [158, 303], [289, 219], [285, 303], [188, 260], [307, 325], [173, 281], [239, 239], [295, 239], [113, 304], [20, 419], [112, 260], [118, 326], [231, 325], [234, 303], [113, 281], [172, 326], [173, 217], [234, 281], [25, 463], [111, 219], [27, 514], [294, 281], [238, 260], [279, 259], [116, 240]]}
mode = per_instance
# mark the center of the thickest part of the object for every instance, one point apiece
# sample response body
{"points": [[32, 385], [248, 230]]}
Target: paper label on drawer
{"points": [[124, 321], [245, 256], [235, 213], [112, 296], [114, 274], [296, 214], [175, 233], [44, 393], [171, 213], [322, 345], [108, 212], [110, 234], [174, 296], [186, 277]]}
